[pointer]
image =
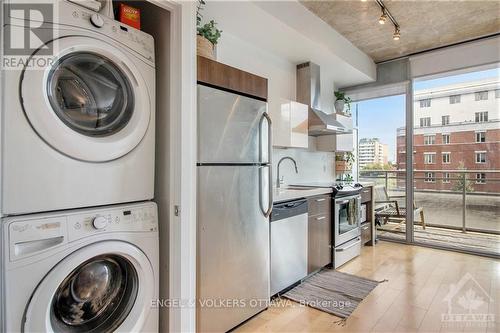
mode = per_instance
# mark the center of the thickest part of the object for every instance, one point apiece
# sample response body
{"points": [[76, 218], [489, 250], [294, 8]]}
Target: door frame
{"points": [[175, 188], [397, 89]]}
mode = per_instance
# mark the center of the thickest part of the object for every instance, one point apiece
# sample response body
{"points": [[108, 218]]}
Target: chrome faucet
{"points": [[278, 180]]}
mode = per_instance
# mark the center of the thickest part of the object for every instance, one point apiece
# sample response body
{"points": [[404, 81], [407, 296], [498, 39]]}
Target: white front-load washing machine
{"points": [[78, 132], [86, 270]]}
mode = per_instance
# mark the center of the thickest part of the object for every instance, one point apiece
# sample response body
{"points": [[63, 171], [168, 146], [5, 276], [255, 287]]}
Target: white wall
{"points": [[460, 112], [313, 166]]}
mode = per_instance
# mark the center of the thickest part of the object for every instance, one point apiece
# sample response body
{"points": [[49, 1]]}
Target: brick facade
{"points": [[462, 153]]}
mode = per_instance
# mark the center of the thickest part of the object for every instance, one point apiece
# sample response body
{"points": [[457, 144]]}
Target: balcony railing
{"points": [[461, 184]]}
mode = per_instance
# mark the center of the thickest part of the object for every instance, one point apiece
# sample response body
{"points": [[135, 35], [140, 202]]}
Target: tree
{"points": [[462, 181], [378, 166]]}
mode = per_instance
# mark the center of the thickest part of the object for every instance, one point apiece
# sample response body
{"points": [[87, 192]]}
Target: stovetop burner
{"points": [[339, 189]]}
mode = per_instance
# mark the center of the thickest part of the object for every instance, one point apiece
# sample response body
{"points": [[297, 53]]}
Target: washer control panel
{"points": [[135, 219], [28, 236]]}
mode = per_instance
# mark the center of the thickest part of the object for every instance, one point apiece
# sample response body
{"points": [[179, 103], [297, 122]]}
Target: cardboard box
{"points": [[130, 16]]}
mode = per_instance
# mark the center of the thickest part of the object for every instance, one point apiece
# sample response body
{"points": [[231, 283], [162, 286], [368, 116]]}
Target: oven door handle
{"points": [[341, 249], [342, 201]]}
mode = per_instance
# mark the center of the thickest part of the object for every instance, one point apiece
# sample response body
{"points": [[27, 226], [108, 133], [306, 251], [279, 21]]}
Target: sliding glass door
{"points": [[456, 153], [381, 156]]}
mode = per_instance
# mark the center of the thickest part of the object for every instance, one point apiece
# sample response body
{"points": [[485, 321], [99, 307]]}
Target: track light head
{"points": [[382, 18], [397, 34]]}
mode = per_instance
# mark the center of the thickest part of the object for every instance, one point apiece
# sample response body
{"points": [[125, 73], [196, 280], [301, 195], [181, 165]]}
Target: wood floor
{"points": [[413, 300]]}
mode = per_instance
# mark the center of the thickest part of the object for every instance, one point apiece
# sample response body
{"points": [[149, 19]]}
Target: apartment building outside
{"points": [[456, 127], [372, 151]]}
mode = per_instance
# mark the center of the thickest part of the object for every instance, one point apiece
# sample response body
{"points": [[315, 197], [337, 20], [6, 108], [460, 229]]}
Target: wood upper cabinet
{"points": [[290, 124], [319, 233], [222, 76]]}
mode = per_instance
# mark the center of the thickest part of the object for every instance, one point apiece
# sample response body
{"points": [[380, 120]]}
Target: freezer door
{"points": [[231, 128], [233, 246]]}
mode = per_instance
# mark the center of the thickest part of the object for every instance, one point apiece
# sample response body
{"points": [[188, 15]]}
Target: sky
{"points": [[379, 118]]}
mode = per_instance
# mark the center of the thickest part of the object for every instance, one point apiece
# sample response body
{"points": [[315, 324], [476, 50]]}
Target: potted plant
{"points": [[344, 161], [341, 101], [207, 34]]}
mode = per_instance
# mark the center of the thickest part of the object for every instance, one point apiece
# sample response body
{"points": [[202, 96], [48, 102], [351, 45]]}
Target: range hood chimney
{"points": [[309, 92]]}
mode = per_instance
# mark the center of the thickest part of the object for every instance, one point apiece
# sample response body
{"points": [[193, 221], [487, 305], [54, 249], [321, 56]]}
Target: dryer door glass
{"points": [[96, 296], [90, 94]]}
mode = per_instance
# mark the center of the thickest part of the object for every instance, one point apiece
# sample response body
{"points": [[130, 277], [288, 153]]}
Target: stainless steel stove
{"points": [[346, 219]]}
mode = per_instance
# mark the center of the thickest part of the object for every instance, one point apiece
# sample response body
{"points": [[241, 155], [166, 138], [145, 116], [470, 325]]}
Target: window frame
{"points": [[425, 103], [480, 180], [443, 154], [446, 142], [481, 117], [478, 95], [425, 122], [455, 99], [429, 177], [481, 135], [432, 160], [443, 122], [446, 178], [432, 140], [477, 158]]}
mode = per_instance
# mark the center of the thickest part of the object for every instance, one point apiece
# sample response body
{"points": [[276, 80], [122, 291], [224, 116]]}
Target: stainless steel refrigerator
{"points": [[234, 204]]}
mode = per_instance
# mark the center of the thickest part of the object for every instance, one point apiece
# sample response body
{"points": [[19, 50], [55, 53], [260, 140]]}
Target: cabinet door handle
{"points": [[366, 191], [320, 218], [319, 200]]}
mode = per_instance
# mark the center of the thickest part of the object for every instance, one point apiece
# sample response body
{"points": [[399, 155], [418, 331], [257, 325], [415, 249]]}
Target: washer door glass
{"points": [[97, 296], [90, 94]]}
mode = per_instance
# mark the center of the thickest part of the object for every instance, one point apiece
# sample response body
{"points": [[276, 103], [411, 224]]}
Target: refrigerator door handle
{"points": [[265, 116]]}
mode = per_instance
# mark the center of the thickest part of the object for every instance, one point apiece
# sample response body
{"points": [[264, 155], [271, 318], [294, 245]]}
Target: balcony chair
{"points": [[388, 207]]}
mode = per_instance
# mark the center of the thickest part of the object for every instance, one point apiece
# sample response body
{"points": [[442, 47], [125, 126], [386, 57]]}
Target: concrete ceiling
{"points": [[424, 24]]}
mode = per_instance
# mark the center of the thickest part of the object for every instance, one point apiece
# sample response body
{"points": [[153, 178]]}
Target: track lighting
{"points": [[382, 18], [386, 14], [396, 34]]}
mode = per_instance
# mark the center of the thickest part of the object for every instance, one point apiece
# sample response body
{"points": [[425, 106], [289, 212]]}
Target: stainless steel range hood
{"points": [[309, 92]]}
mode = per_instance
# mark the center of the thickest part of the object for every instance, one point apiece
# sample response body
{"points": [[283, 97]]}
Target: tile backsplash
{"points": [[313, 166]]}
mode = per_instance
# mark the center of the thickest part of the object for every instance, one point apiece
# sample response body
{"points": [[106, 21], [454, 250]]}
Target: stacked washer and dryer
{"points": [[79, 234]]}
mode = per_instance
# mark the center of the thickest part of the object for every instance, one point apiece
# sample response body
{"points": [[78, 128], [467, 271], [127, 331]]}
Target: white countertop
{"points": [[285, 194]]}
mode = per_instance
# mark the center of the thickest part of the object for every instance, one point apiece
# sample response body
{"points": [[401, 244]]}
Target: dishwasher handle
{"points": [[288, 209]]}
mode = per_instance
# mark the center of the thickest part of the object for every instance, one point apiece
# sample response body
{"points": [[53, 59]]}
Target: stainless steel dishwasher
{"points": [[288, 244]]}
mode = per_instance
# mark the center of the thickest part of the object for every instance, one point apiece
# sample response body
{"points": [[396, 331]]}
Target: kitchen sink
{"points": [[297, 188]]}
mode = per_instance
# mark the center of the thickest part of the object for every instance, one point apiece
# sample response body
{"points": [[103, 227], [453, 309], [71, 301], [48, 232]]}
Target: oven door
{"points": [[347, 217]]}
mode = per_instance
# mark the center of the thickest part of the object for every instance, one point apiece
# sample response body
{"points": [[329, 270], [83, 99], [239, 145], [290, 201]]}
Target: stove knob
{"points": [[97, 20], [99, 222]]}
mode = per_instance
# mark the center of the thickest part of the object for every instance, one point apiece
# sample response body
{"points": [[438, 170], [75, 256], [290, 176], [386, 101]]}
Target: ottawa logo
{"points": [[468, 305]]}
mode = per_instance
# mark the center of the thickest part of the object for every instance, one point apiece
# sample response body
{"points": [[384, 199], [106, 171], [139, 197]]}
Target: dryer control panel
{"points": [[67, 14], [39, 232]]}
